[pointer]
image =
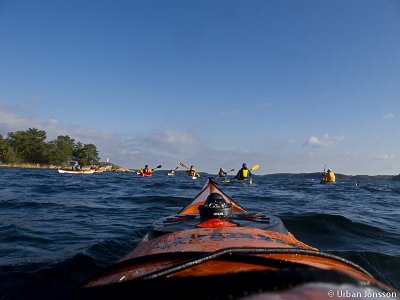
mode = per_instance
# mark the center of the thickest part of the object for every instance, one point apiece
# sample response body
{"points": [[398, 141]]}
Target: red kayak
{"points": [[146, 175], [140, 172], [213, 248]]}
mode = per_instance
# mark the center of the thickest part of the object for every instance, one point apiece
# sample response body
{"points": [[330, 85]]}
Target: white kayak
{"points": [[75, 172]]}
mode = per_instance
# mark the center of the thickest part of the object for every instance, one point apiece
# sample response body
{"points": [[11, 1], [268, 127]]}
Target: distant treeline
{"points": [[30, 146]]}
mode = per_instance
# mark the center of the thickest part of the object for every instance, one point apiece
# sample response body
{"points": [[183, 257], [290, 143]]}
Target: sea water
{"points": [[56, 230]]}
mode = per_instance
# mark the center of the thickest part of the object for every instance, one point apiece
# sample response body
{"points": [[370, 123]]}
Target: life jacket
{"points": [[193, 173], [147, 171], [245, 173], [330, 177]]}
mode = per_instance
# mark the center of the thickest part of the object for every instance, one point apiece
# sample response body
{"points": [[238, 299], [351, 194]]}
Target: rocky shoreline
{"points": [[102, 167]]}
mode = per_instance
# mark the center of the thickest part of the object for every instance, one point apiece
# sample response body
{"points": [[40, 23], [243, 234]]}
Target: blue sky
{"points": [[290, 85]]}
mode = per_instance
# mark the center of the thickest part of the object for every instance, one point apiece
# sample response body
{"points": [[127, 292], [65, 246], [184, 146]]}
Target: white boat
{"points": [[75, 172]]}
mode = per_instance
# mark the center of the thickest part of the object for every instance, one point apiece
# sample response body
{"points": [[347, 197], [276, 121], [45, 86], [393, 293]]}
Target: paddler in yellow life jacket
{"points": [[329, 176], [192, 172], [243, 173]]}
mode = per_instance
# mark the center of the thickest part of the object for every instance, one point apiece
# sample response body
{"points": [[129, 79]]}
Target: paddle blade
{"points": [[159, 166], [255, 167], [183, 165]]}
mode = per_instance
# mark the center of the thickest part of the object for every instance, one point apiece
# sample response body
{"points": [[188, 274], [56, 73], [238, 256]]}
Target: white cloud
{"points": [[314, 141], [170, 146], [167, 146], [106, 141], [173, 139], [386, 156], [168, 142], [324, 141], [10, 121], [243, 151]]}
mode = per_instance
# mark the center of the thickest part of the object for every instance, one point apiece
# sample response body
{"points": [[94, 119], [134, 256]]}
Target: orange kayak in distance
{"points": [[213, 248]]}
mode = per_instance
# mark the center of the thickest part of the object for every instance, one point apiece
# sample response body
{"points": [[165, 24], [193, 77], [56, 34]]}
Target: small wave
{"points": [[335, 232], [383, 267], [13, 233]]}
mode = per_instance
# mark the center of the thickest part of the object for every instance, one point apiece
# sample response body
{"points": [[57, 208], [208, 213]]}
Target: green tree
{"points": [[91, 155], [2, 148], [60, 150], [30, 145], [11, 156], [85, 154], [77, 152]]}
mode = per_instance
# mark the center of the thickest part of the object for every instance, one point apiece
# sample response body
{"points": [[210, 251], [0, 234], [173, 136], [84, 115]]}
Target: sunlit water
{"points": [[56, 230]]}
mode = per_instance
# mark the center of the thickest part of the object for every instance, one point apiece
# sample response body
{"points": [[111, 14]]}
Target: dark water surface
{"points": [[58, 229]]}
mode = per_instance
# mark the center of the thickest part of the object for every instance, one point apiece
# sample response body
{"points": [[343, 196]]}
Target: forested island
{"points": [[29, 147]]}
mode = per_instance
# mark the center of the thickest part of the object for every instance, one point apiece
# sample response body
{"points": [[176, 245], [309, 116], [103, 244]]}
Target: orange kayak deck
{"points": [[185, 250], [214, 239], [175, 248]]}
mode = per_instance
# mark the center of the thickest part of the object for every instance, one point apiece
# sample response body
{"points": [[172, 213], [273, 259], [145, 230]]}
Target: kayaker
{"points": [[192, 172], [329, 176], [222, 173], [146, 170], [215, 207], [243, 173], [76, 166]]}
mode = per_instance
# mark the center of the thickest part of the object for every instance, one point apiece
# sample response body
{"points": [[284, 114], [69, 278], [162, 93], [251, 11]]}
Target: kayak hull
{"points": [[267, 235], [75, 172], [246, 181]]}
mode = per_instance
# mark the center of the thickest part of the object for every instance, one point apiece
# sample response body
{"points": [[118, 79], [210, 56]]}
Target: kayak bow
{"points": [[189, 256]]}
